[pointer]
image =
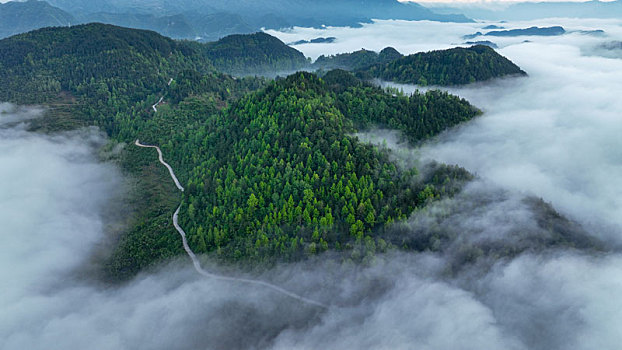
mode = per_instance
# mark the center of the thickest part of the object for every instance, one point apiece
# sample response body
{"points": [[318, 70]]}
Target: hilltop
{"points": [[455, 66], [253, 54], [357, 59]]}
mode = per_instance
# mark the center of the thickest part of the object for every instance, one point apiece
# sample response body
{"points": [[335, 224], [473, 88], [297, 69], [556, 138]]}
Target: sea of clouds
{"points": [[554, 134]]}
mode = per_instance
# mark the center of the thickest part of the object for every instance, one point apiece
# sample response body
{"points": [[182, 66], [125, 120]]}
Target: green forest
{"points": [[457, 66], [357, 60], [252, 54], [272, 168]]}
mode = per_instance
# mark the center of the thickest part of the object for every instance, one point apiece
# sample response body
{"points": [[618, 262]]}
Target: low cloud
{"points": [[10, 113], [554, 134]]}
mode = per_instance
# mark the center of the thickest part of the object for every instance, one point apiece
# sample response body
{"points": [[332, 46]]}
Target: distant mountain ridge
{"points": [[534, 31], [213, 19], [175, 26], [536, 10], [531, 31], [20, 17], [207, 20]]}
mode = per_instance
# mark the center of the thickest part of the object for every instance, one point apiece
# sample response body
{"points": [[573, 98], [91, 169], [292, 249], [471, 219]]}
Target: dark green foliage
{"points": [[253, 54], [455, 66], [99, 62], [340, 80], [277, 174], [220, 87], [419, 116], [357, 59], [151, 236], [130, 64], [388, 54]]}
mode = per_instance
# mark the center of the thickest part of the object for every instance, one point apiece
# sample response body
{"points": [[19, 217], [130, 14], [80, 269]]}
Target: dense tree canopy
{"points": [[455, 66], [257, 53], [357, 59]]}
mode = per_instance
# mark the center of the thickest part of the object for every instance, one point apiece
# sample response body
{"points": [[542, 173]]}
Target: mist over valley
{"points": [[482, 216]]}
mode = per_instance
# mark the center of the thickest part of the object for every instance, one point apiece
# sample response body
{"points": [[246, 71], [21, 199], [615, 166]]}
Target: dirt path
{"points": [[195, 260]]}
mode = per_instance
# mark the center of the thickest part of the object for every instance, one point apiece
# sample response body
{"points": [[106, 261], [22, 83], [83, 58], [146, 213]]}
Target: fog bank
{"points": [[555, 134]]}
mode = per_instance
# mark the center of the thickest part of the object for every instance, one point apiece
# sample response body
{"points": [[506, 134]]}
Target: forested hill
{"points": [[37, 65], [356, 60], [455, 66], [278, 174], [257, 53]]}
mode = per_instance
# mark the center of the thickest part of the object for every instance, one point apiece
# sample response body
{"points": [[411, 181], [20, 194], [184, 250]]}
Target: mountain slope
{"points": [[67, 59], [455, 66], [357, 60], [253, 54], [71, 58], [174, 26], [270, 13], [272, 171], [278, 175], [20, 17]]}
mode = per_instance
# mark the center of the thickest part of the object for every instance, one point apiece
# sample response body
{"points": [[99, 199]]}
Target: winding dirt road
{"points": [[161, 158], [155, 109], [195, 260]]}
